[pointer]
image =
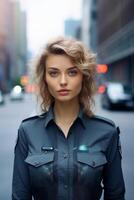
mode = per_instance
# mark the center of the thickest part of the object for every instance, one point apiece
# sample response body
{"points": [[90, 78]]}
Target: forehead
{"points": [[59, 61]]}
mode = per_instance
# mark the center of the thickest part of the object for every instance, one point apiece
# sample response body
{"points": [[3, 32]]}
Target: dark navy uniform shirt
{"points": [[49, 166]]}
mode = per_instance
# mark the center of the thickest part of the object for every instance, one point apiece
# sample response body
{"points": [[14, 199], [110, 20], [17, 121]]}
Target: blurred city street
{"points": [[11, 115]]}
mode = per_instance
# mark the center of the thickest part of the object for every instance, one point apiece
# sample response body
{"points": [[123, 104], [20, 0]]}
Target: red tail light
{"points": [[101, 89]]}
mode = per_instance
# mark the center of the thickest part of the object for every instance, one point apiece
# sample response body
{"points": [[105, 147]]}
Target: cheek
{"points": [[78, 84], [50, 84]]}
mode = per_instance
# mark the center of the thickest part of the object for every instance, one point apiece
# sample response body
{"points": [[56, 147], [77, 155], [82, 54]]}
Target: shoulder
{"points": [[106, 124], [104, 121], [31, 125], [33, 119], [102, 125], [106, 128]]}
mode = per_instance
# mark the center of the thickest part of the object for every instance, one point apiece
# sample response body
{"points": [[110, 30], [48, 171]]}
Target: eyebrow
{"points": [[54, 68]]}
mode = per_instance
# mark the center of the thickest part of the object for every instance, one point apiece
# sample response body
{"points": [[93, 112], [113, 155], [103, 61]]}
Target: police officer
{"points": [[67, 152]]}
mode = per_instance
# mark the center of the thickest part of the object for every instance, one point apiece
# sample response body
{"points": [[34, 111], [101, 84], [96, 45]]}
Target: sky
{"points": [[45, 19]]}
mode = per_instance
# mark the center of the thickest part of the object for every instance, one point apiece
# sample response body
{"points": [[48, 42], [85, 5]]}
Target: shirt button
{"points": [[65, 156], [93, 163], [65, 186]]}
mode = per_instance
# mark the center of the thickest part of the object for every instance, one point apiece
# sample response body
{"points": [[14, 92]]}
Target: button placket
{"points": [[66, 186], [65, 155]]}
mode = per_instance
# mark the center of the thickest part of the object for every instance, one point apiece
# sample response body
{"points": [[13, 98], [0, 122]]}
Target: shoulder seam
{"points": [[104, 120], [34, 117]]}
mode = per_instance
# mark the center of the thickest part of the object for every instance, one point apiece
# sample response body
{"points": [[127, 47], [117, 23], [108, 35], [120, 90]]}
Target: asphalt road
{"points": [[11, 115]]}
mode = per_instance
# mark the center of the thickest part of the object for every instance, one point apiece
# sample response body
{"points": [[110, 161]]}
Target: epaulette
{"points": [[34, 117], [30, 118], [104, 120]]}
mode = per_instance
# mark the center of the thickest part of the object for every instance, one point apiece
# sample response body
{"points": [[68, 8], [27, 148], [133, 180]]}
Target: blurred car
{"points": [[117, 95], [16, 93], [2, 101]]}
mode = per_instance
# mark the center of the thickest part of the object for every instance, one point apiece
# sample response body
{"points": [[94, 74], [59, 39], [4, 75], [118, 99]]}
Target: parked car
{"points": [[2, 101], [16, 93], [117, 95]]}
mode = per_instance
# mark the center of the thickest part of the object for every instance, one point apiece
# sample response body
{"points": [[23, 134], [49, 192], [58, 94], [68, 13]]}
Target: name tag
{"points": [[44, 148]]}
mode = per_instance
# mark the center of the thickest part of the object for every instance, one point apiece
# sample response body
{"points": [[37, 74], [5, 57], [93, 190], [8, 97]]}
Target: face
{"points": [[63, 78]]}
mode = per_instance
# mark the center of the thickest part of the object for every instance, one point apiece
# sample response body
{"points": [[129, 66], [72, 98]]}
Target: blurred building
{"points": [[19, 41], [13, 43], [89, 24], [116, 39], [4, 49], [72, 28]]}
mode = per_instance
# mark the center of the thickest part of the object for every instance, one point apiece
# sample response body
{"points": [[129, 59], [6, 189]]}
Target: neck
{"points": [[66, 111]]}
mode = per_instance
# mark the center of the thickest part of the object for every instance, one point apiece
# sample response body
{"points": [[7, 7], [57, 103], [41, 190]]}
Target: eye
{"points": [[53, 73], [73, 72]]}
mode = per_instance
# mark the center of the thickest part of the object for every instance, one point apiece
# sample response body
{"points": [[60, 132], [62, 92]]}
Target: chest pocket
{"points": [[41, 167], [94, 159], [90, 166]]}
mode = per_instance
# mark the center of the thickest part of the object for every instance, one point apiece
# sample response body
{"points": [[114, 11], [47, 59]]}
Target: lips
{"points": [[63, 92]]}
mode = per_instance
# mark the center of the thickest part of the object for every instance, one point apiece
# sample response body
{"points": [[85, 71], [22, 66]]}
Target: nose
{"points": [[63, 80]]}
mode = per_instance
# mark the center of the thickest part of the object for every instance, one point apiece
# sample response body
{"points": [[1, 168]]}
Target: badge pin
{"points": [[83, 148]]}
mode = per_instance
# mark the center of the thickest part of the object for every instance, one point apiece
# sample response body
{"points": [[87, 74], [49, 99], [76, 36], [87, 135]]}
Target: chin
{"points": [[65, 98]]}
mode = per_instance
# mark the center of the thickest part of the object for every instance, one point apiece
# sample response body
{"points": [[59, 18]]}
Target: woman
{"points": [[67, 153]]}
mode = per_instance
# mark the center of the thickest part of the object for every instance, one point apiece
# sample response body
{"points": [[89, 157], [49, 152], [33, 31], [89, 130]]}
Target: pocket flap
{"points": [[94, 159], [40, 159]]}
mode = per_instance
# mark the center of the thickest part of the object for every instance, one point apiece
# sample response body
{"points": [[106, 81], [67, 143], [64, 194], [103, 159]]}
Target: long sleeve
{"points": [[114, 188], [21, 182]]}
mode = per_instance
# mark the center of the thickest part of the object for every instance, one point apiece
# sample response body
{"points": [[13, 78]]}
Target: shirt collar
{"points": [[50, 116], [81, 116]]}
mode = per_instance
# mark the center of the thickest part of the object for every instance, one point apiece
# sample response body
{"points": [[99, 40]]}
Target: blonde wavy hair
{"points": [[83, 58]]}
